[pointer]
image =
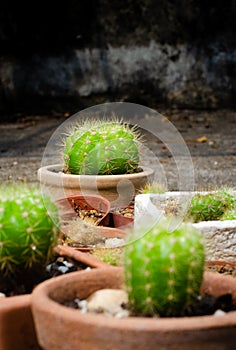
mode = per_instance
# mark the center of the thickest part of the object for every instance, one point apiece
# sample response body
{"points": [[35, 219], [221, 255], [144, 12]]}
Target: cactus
{"points": [[153, 187], [210, 206], [163, 271], [27, 231], [101, 148]]}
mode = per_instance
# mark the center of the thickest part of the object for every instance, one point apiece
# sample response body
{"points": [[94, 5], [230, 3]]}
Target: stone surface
{"points": [[220, 239], [147, 74]]}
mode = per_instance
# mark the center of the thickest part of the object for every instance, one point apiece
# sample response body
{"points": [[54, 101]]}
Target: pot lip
{"points": [[16, 301], [41, 301], [48, 170]]}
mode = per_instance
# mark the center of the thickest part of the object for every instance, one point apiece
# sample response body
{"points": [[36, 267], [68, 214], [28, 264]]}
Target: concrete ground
{"points": [[209, 135]]}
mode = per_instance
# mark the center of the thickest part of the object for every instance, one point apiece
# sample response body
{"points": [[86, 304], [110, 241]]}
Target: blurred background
{"points": [[65, 56]]}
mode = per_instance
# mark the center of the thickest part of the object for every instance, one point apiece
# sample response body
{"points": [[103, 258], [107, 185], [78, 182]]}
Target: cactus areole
{"points": [[101, 148], [28, 228], [164, 271]]}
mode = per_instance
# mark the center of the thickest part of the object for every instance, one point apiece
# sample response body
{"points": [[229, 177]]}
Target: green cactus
{"points": [[101, 148], [210, 206], [163, 271], [27, 231]]}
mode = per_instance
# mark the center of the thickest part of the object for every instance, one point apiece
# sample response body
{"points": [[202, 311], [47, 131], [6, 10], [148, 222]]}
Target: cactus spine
{"points": [[96, 147], [27, 231], [164, 271]]}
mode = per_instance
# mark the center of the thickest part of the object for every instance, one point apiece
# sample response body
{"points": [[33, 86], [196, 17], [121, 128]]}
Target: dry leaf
{"points": [[202, 139]]}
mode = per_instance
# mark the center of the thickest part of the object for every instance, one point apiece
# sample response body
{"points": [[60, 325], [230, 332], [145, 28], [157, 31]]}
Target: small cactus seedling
{"points": [[210, 206], [101, 148], [164, 271], [27, 231]]}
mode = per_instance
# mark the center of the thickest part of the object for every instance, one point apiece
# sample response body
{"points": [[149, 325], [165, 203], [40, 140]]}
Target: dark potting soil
{"points": [[23, 281]]}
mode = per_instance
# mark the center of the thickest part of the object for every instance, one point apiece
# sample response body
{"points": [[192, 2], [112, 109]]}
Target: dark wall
{"points": [[35, 34], [57, 26]]}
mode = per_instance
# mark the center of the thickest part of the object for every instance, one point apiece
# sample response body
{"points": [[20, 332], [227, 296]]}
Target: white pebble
{"points": [[114, 298], [219, 313], [63, 269]]}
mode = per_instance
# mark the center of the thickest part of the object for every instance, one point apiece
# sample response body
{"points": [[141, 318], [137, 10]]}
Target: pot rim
{"points": [[56, 170], [41, 301]]}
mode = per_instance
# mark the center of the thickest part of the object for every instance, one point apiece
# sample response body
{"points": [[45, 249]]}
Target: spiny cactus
{"points": [[210, 206], [101, 147], [153, 187], [164, 270], [27, 231]]}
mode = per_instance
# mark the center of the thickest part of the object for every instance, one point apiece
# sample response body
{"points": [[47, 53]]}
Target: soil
{"points": [[126, 212], [23, 281], [91, 216]]}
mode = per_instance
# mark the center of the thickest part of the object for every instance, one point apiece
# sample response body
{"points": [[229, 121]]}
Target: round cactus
{"points": [[101, 148], [210, 206], [164, 271], [27, 231]]}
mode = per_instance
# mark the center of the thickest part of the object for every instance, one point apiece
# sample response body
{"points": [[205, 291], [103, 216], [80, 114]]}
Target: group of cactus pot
{"points": [[163, 275], [163, 270]]}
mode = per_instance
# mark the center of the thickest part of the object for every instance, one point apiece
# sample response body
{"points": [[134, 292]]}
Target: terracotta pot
{"points": [[80, 255], [70, 205], [62, 327], [119, 220], [118, 189], [16, 324]]}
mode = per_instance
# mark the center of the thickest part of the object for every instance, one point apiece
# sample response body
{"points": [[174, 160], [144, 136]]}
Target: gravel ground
{"points": [[209, 135]]}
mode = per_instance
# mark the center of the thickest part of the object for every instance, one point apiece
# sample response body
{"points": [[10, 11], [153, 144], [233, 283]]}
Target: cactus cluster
{"points": [[211, 206], [163, 271], [101, 148], [28, 228]]}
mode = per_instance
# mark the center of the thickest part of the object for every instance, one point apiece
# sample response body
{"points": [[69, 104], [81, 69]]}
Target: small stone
{"points": [[114, 242], [107, 301], [62, 269], [219, 313], [67, 264]]}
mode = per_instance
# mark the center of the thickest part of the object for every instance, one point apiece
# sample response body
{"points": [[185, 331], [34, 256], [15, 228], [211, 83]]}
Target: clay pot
{"points": [[80, 255], [119, 220], [17, 329], [62, 327], [118, 189], [16, 324], [69, 205]]}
